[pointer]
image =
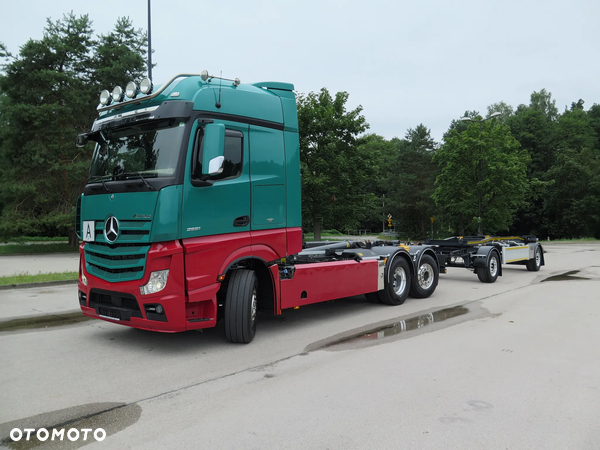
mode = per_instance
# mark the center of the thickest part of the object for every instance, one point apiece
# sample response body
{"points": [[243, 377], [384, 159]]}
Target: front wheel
{"points": [[426, 279], [489, 273], [533, 265], [397, 283], [240, 306]]}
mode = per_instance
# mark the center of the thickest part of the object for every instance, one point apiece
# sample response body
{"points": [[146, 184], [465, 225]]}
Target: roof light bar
{"points": [[146, 86], [117, 94], [132, 89], [105, 98]]}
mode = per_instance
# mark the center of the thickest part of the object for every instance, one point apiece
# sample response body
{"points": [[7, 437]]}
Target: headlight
{"points": [[105, 97], [117, 94], [131, 90], [156, 283], [146, 86]]}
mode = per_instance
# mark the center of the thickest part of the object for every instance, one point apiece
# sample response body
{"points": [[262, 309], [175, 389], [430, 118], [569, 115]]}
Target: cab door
{"points": [[221, 203]]}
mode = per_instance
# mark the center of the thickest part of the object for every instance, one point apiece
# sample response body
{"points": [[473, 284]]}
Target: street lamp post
{"points": [[149, 42], [468, 119]]}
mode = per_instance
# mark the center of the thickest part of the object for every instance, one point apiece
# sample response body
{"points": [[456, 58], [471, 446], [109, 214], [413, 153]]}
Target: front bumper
{"points": [[166, 311]]}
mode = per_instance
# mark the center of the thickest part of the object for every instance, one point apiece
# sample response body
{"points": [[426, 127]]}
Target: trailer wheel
{"points": [[240, 306], [426, 279], [397, 284], [533, 265], [489, 273]]}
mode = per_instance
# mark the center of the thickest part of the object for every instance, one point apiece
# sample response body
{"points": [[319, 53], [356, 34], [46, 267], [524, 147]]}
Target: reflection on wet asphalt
{"points": [[565, 276], [45, 321], [401, 326]]}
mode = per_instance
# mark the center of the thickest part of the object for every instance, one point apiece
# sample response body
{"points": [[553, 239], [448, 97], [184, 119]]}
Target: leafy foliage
{"points": [[48, 95], [484, 161], [411, 182], [335, 169]]}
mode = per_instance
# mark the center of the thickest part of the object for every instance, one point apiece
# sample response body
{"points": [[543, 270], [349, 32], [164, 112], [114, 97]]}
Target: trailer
{"points": [[485, 255]]}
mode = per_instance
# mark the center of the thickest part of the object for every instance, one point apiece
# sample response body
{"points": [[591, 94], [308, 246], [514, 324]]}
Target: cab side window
{"points": [[232, 166]]}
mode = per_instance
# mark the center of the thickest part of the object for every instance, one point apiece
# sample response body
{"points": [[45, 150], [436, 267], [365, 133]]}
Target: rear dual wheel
{"points": [[426, 279], [397, 283]]}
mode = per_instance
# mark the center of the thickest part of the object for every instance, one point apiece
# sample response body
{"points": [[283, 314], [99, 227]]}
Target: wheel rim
{"points": [[538, 258], [399, 281], [253, 306], [493, 266], [425, 276]]}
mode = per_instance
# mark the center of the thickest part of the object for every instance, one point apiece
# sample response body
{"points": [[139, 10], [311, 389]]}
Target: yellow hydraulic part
{"points": [[405, 247], [498, 238]]}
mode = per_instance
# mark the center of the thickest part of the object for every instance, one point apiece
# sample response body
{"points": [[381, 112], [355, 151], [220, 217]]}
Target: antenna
{"points": [[218, 104]]}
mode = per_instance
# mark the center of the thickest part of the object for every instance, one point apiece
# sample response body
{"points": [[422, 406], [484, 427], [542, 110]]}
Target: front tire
{"points": [[426, 279], [397, 283], [533, 265], [489, 273], [240, 306]]}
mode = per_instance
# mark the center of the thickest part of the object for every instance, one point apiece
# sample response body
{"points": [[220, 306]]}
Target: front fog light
{"points": [[156, 283], [84, 279]]}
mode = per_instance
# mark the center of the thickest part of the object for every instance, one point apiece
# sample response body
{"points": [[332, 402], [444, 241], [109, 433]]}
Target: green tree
{"points": [[335, 168], [506, 111], [489, 149], [120, 55], [45, 97], [535, 127], [48, 94], [383, 155], [542, 101], [411, 182], [571, 202]]}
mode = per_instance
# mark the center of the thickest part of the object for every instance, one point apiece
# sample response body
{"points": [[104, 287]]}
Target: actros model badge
{"points": [[111, 229]]}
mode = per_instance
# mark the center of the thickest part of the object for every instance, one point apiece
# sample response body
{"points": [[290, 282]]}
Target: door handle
{"points": [[241, 221]]}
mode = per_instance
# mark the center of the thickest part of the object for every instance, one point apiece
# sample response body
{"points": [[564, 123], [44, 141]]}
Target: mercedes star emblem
{"points": [[111, 229]]}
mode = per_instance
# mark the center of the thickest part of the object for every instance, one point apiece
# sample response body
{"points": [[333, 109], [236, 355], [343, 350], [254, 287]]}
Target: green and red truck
{"points": [[192, 213]]}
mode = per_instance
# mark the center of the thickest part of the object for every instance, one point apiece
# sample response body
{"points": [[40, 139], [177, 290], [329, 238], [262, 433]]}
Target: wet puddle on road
{"points": [[111, 417], [421, 321], [47, 321], [565, 276]]}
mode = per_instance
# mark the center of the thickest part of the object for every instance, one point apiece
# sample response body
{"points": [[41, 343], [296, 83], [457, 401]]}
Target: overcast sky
{"points": [[406, 63]]}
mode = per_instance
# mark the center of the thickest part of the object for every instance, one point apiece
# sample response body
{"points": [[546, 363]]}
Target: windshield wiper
{"points": [[148, 185], [109, 190]]}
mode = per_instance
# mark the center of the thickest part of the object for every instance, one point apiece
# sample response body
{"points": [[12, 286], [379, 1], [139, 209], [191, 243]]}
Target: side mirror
{"points": [[82, 139], [213, 148]]}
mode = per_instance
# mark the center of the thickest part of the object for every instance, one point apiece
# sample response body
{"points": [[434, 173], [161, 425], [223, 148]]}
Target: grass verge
{"points": [[25, 239], [14, 249], [26, 278]]}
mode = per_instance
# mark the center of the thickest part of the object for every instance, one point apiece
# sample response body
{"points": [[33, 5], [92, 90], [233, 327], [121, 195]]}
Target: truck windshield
{"points": [[148, 150]]}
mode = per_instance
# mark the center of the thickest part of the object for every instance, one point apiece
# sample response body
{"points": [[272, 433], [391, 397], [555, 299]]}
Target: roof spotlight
{"points": [[204, 75], [117, 93], [105, 97], [146, 86], [131, 90]]}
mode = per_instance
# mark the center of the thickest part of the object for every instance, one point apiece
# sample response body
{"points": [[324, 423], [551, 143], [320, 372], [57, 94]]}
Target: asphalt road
{"points": [[35, 264], [517, 369]]}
